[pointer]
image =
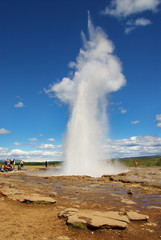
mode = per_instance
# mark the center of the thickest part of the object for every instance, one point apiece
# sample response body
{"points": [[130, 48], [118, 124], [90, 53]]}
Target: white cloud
{"points": [[50, 139], [17, 144], [134, 146], [49, 146], [129, 147], [4, 131], [33, 139], [41, 134], [135, 122], [129, 29], [139, 22], [142, 21], [19, 105], [31, 155], [159, 125], [158, 119], [122, 110], [124, 8], [3, 150]]}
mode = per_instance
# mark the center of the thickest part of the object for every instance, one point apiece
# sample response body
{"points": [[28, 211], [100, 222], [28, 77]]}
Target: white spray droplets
{"points": [[97, 73]]}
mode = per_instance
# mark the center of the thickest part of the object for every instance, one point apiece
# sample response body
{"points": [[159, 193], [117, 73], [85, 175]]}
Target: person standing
{"points": [[21, 164], [46, 163]]}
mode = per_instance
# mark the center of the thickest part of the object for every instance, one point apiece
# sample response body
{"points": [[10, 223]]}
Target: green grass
{"points": [[53, 163], [79, 225], [150, 161], [154, 161]]}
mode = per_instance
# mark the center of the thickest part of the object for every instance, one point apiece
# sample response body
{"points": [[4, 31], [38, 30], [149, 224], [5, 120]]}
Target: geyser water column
{"points": [[97, 72]]}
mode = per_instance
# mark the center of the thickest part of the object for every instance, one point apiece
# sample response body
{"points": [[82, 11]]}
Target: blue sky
{"points": [[38, 41]]}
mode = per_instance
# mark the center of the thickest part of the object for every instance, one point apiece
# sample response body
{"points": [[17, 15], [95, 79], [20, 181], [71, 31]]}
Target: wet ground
{"points": [[138, 189]]}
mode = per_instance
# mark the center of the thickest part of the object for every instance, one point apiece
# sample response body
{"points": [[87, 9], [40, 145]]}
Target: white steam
{"points": [[97, 73]]}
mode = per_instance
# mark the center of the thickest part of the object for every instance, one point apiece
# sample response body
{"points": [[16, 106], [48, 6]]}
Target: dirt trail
{"points": [[33, 221]]}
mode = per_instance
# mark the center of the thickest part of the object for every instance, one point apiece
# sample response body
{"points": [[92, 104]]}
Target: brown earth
{"points": [[138, 190]]}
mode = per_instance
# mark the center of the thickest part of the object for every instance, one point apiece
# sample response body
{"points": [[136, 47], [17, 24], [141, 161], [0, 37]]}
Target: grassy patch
{"points": [[79, 225], [154, 161]]}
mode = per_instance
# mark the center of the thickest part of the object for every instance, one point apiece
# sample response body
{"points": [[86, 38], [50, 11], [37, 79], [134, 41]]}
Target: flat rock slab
{"points": [[95, 219], [37, 199], [21, 196], [134, 216]]}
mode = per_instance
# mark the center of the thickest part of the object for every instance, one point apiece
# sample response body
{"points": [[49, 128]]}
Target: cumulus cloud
{"points": [[129, 147], [4, 131], [158, 119], [134, 146], [159, 125], [142, 21], [139, 22], [50, 139], [41, 134], [122, 110], [125, 8], [17, 144], [3, 150], [33, 139], [19, 105], [49, 146], [135, 122], [31, 155]]}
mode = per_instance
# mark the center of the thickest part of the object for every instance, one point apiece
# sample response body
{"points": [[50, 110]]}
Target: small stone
{"points": [[129, 192], [53, 194]]}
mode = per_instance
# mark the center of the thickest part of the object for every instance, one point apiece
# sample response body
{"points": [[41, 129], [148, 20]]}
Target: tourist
{"points": [[12, 163], [1, 169], [21, 164], [19, 167]]}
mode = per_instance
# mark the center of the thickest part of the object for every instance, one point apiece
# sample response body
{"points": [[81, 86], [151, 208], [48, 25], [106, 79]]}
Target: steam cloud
{"points": [[97, 73]]}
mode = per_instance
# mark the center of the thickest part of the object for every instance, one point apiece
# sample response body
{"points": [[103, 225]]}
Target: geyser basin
{"points": [[97, 72]]}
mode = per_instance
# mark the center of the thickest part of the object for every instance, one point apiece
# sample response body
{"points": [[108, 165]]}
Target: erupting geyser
{"points": [[97, 72]]}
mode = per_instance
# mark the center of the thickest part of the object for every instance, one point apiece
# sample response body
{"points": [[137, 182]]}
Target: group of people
{"points": [[9, 165]]}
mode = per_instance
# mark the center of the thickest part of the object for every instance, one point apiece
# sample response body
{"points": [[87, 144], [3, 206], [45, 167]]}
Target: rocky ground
{"points": [[122, 207]]}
